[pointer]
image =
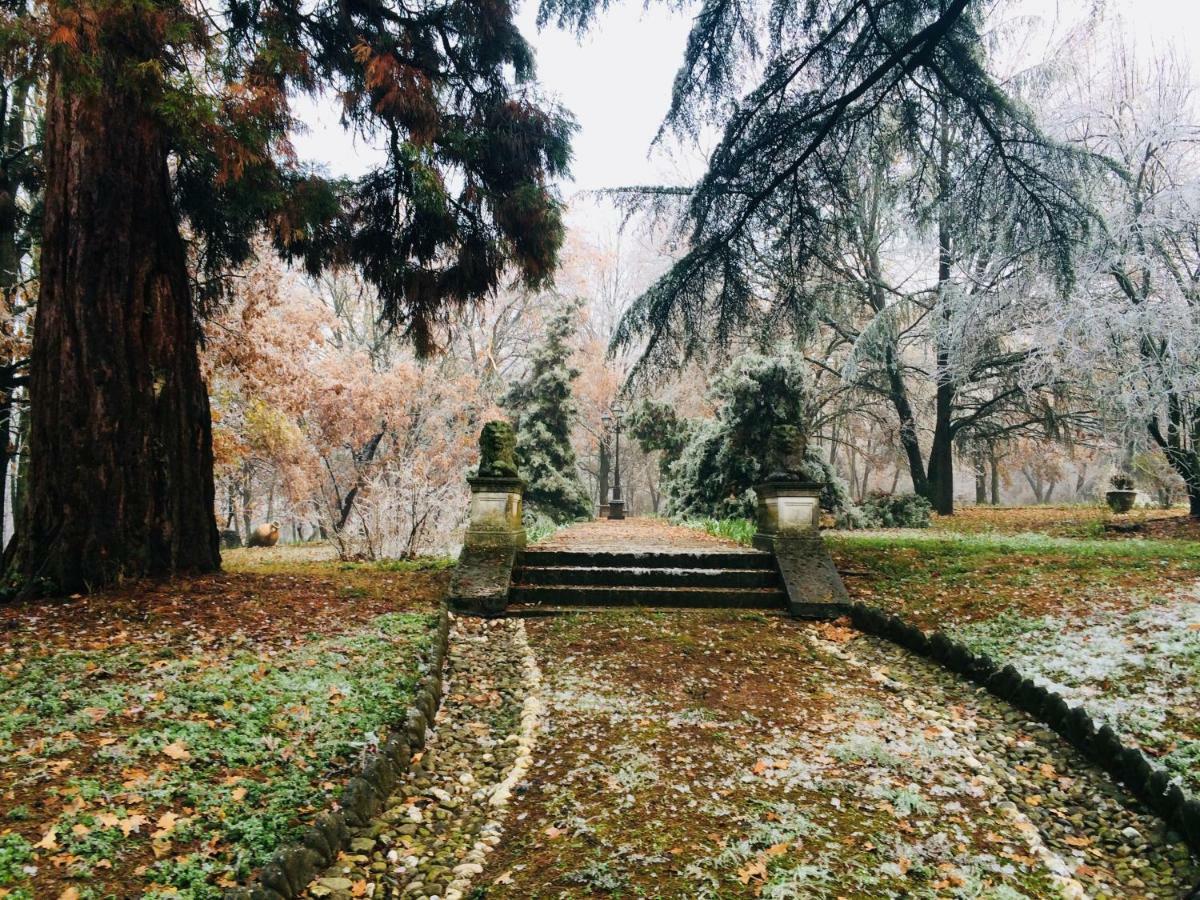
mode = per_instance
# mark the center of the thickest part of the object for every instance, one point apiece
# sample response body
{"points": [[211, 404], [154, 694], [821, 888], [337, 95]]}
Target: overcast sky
{"points": [[617, 83]]}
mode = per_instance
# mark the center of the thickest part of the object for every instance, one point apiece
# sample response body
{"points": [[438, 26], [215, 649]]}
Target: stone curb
{"points": [[1127, 765], [287, 874]]}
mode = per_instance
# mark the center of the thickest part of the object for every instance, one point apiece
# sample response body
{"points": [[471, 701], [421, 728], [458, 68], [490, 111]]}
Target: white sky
{"points": [[617, 83]]}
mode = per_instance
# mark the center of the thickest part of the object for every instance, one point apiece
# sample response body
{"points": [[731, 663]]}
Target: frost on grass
{"points": [[1138, 669]]}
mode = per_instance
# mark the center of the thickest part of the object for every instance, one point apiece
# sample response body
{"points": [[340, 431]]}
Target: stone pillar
{"points": [[496, 513], [788, 527], [495, 534], [788, 517], [785, 506]]}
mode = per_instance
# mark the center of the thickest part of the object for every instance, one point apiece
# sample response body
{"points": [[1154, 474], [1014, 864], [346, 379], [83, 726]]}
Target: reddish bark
{"points": [[120, 468]]}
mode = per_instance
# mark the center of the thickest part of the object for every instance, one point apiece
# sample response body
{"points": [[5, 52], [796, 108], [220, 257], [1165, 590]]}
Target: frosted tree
{"points": [[544, 411], [1131, 331], [801, 93]]}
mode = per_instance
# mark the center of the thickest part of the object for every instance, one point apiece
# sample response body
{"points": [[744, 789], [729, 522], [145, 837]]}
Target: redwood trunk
{"points": [[120, 444]]}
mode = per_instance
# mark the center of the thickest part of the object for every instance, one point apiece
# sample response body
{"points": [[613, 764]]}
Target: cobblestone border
{"points": [[1127, 765], [491, 830], [287, 874]]}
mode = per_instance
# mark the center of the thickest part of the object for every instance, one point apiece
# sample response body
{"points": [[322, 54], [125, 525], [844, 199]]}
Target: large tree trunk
{"points": [[980, 465], [940, 486], [120, 444]]}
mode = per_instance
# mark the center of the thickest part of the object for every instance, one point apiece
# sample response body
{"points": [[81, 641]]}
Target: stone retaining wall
{"points": [[288, 873], [1127, 765]]}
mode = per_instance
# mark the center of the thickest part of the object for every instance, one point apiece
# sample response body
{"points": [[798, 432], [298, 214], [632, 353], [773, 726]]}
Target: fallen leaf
{"points": [[239, 793], [176, 751], [755, 869], [359, 888], [49, 840], [1072, 841], [133, 823]]}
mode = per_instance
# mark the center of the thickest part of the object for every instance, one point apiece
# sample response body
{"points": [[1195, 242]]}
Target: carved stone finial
{"points": [[786, 446], [497, 451]]}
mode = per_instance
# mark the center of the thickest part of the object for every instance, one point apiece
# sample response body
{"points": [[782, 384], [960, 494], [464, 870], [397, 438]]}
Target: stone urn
{"points": [[1120, 501]]}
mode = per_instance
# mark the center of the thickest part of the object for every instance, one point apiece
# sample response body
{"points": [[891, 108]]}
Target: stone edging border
{"points": [[287, 874], [491, 831], [1127, 765]]}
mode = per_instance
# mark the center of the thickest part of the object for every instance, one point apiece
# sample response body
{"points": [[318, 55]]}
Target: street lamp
{"points": [[605, 430], [616, 506]]}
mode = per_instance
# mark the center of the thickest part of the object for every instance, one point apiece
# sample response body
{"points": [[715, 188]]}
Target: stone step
{"points": [[650, 559], [580, 595], [646, 577]]}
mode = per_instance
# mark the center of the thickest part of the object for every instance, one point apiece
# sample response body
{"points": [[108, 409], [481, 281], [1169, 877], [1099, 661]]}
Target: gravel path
{"points": [[725, 754], [633, 535], [444, 818], [721, 754]]}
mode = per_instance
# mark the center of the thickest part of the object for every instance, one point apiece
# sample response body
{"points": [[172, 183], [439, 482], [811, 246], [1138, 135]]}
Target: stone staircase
{"points": [[551, 578]]}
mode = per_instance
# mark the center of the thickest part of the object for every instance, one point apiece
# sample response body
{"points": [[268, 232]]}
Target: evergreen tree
{"points": [[716, 462], [544, 411], [830, 75], [167, 156]]}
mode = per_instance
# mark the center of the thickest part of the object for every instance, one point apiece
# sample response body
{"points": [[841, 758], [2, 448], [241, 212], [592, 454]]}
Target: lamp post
{"points": [[616, 506]]}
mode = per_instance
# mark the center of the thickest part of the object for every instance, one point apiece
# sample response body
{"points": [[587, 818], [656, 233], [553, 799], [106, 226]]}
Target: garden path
{"points": [[733, 753], [632, 535]]}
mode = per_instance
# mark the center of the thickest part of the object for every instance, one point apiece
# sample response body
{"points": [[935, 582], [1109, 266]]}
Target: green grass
{"points": [[242, 748], [739, 530], [940, 577]]}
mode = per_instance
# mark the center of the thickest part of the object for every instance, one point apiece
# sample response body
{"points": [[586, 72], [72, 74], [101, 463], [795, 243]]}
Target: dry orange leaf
{"points": [[133, 823], [176, 751], [755, 869], [359, 888]]}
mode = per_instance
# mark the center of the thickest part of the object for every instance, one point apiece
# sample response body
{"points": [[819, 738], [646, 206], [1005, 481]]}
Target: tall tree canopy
{"points": [[840, 81], [167, 153], [833, 73]]}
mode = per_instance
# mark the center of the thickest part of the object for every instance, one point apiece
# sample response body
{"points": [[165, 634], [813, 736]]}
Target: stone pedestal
{"points": [[494, 538], [616, 509], [496, 513], [788, 516], [786, 506]]}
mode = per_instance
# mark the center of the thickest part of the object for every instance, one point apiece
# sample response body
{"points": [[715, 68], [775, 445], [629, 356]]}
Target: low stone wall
{"points": [[1127, 765], [288, 873]]}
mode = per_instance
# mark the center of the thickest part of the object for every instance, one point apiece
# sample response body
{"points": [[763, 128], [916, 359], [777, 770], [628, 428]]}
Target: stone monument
{"points": [[788, 520], [495, 534]]}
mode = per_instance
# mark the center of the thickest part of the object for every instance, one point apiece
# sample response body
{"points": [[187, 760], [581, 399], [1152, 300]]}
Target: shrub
{"points": [[1121, 482], [883, 510]]}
